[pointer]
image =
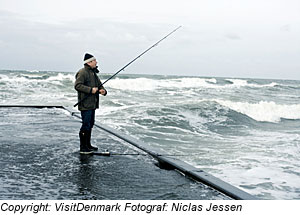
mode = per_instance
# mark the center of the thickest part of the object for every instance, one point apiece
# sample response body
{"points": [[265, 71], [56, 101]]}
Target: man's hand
{"points": [[102, 91], [94, 90]]}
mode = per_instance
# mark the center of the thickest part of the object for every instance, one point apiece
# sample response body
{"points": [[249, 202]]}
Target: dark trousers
{"points": [[88, 120]]}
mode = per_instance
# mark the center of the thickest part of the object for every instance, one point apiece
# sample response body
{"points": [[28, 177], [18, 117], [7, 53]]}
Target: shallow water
{"points": [[39, 158]]}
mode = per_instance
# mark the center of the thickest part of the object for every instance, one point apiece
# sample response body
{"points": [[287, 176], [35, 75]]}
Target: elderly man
{"points": [[88, 86]]}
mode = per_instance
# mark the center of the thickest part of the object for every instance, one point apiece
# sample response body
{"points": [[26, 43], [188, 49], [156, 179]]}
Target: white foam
{"points": [[144, 84], [264, 110], [193, 83], [211, 80], [62, 77], [238, 82], [23, 80], [137, 84], [33, 71], [244, 83]]}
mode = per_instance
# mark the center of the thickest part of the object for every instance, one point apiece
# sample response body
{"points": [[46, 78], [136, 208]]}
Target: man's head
{"points": [[90, 60]]}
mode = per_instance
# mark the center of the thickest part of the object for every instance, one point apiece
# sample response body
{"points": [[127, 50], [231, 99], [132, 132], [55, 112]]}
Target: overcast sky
{"points": [[218, 38]]}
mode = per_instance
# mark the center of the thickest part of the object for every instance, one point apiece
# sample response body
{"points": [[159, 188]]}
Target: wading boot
{"points": [[83, 143], [93, 148]]}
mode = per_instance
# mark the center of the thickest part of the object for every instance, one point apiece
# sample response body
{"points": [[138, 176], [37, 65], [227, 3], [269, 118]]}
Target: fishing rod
{"points": [[123, 68]]}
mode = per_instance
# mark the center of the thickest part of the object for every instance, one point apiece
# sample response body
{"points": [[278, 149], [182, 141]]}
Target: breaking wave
{"points": [[264, 111], [145, 84]]}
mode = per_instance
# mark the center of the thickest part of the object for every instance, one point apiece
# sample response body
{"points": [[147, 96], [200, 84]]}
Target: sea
{"points": [[244, 131]]}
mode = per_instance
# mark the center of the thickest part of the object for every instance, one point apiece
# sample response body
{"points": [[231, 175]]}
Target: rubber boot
{"points": [[83, 143], [89, 134]]}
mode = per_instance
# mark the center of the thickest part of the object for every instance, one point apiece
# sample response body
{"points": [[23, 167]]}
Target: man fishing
{"points": [[88, 86]]}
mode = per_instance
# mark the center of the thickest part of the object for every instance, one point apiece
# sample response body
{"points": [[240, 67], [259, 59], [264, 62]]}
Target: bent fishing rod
{"points": [[123, 68]]}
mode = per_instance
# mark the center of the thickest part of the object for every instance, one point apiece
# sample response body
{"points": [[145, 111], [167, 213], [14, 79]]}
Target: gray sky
{"points": [[227, 38]]}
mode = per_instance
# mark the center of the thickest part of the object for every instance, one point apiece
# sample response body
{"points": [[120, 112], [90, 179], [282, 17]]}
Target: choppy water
{"points": [[245, 131]]}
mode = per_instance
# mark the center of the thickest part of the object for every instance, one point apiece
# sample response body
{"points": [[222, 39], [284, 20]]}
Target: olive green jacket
{"points": [[86, 79]]}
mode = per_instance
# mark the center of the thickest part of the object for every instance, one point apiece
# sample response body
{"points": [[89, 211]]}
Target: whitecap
{"points": [[146, 84], [33, 71], [267, 111], [137, 84], [62, 77], [245, 83]]}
